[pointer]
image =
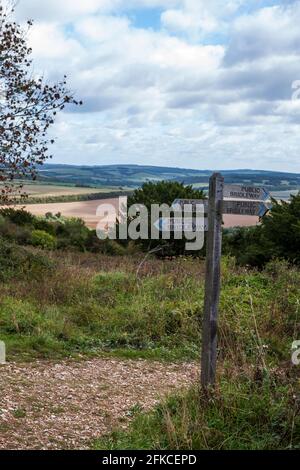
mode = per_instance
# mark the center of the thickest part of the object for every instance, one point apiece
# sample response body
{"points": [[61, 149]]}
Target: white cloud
{"points": [[182, 21], [272, 31], [196, 18]]}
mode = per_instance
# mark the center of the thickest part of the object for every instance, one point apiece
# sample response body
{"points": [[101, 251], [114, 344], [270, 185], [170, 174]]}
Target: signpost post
{"points": [[212, 282], [240, 200]]}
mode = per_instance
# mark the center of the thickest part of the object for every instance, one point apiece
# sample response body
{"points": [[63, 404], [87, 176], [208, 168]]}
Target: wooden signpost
{"points": [[212, 282], [240, 200]]}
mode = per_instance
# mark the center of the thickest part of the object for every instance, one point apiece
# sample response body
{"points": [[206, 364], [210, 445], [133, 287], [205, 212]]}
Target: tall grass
{"points": [[243, 414]]}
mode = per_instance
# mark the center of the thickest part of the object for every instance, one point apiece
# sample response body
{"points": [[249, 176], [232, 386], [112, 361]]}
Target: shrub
{"points": [[18, 216], [41, 223], [72, 233], [15, 233], [43, 240], [111, 247], [247, 245], [17, 262], [282, 229]]}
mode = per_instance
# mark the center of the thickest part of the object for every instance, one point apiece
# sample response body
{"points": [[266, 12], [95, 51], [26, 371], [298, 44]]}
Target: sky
{"points": [[186, 83]]}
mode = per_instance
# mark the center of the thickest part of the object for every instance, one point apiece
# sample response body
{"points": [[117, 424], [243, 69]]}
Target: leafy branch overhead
{"points": [[28, 106]]}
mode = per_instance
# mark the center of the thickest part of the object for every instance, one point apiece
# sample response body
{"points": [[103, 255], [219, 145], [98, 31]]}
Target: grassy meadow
{"points": [[53, 306], [87, 301], [85, 305]]}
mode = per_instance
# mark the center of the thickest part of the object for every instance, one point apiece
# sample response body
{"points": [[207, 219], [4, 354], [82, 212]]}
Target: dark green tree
{"points": [[163, 192]]}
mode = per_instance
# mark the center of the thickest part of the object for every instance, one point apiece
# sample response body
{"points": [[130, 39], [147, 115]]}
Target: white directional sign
{"points": [[243, 207], [258, 209], [182, 224], [181, 204], [246, 192]]}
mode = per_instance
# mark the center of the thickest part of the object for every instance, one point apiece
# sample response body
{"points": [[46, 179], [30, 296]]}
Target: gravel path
{"points": [[65, 405]]}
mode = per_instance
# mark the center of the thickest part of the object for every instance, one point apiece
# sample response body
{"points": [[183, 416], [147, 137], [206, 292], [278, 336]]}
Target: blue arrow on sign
{"points": [[263, 209], [265, 194]]}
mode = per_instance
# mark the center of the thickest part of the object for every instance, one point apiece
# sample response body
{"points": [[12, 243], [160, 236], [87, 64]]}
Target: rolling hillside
{"points": [[132, 176]]}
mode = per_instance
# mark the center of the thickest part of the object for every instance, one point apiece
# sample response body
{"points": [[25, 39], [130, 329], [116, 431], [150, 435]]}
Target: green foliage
{"points": [[53, 231], [17, 216], [14, 233], [282, 229], [277, 237], [157, 315], [111, 247], [72, 233], [43, 239], [19, 263], [163, 192], [247, 245]]}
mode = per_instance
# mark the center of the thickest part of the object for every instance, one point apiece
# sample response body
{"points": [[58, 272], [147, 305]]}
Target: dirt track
{"points": [[65, 405]]}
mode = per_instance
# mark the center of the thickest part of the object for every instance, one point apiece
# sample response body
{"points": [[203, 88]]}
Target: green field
{"points": [[51, 190]]}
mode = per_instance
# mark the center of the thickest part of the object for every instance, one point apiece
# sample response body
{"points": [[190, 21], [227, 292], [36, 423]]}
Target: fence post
{"points": [[212, 282]]}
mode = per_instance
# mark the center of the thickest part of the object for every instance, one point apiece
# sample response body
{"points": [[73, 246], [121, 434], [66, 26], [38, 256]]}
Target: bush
{"points": [[17, 262], [43, 240], [15, 233], [54, 231], [247, 245], [44, 225], [18, 216], [282, 229], [72, 233]]}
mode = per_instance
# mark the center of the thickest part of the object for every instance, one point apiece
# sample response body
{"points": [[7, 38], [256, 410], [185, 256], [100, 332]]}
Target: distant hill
{"points": [[132, 176]]}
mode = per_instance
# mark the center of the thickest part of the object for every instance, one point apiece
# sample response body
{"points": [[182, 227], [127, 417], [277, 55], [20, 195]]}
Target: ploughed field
{"points": [[87, 211]]}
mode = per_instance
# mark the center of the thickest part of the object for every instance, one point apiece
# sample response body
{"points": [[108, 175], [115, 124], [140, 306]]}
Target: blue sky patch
{"points": [[146, 18]]}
